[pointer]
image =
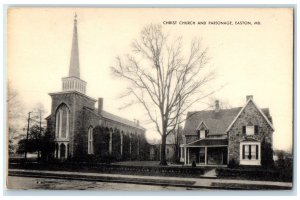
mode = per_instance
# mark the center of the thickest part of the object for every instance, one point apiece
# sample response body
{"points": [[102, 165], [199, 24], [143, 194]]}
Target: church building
{"points": [[80, 130]]}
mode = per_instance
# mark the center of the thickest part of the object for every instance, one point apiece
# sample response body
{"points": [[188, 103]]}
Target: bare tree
{"points": [[15, 116], [164, 78]]}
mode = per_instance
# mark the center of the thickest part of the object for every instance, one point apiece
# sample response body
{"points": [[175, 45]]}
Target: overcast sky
{"points": [[247, 59]]}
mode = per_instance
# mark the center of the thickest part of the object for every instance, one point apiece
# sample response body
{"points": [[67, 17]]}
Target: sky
{"points": [[247, 59]]}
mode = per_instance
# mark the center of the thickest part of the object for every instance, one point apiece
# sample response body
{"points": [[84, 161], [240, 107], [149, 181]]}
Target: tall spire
{"points": [[74, 62], [73, 81]]}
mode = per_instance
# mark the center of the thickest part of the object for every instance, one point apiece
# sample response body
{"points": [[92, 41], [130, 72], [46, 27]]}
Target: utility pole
{"points": [[26, 144]]}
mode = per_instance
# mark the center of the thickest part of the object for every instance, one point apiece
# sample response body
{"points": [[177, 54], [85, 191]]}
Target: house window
{"points": [[90, 141], [250, 153], [250, 130], [202, 134]]}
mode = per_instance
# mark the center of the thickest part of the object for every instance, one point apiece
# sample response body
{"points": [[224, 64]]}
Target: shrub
{"points": [[284, 165], [232, 163], [254, 173], [267, 154]]}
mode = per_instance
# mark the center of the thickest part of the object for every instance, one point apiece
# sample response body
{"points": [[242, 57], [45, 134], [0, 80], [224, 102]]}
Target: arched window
{"points": [[90, 141], [62, 122]]}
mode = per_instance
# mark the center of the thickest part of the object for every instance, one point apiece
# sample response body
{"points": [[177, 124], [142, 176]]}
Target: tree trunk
{"points": [[163, 160]]}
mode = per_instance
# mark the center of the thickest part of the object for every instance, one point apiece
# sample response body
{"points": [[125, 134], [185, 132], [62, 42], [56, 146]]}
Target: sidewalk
{"points": [[211, 183]]}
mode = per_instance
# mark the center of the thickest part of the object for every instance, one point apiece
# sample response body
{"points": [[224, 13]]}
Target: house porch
{"points": [[205, 155]]}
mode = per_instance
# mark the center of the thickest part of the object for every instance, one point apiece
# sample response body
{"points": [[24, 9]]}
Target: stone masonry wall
{"points": [[89, 119], [83, 119], [75, 103], [250, 115]]}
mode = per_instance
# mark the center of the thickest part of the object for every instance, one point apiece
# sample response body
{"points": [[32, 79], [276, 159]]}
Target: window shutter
{"points": [[255, 129], [256, 152], [243, 152], [244, 129]]}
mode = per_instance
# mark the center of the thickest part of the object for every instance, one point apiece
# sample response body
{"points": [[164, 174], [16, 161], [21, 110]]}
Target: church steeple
{"points": [[73, 81], [74, 69]]}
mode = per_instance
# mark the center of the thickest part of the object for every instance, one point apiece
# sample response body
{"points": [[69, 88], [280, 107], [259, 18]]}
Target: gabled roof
{"points": [[260, 110], [217, 122], [198, 127], [72, 92]]}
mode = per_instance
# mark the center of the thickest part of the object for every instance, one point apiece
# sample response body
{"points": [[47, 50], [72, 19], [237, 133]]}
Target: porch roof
{"points": [[208, 142]]}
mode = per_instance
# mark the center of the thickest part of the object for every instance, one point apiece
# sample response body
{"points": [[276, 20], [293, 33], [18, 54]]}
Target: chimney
{"points": [[217, 106], [137, 122], [249, 97], [100, 105]]}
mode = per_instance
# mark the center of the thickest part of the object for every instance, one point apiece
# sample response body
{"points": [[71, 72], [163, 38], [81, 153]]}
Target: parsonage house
{"points": [[221, 136], [80, 129]]}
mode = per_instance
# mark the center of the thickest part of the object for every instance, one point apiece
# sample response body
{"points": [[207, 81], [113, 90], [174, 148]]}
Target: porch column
{"points": [[205, 155], [110, 142], [181, 153]]}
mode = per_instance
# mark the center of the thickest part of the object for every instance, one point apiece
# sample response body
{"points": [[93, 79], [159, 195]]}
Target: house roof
{"points": [[121, 120], [219, 122], [216, 122], [260, 110], [208, 142]]}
